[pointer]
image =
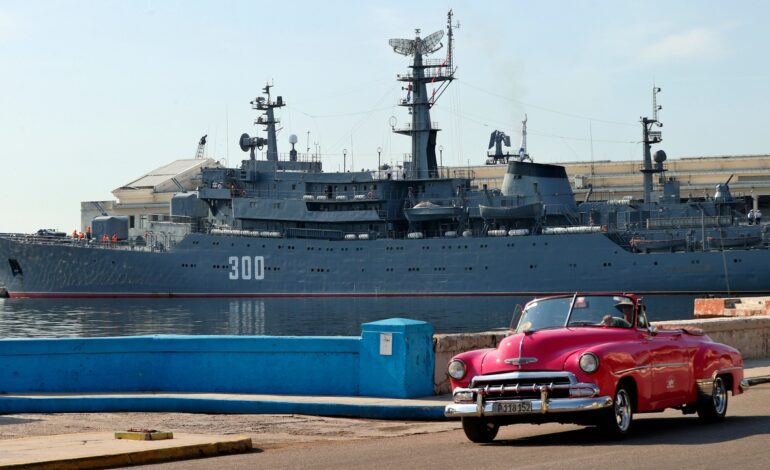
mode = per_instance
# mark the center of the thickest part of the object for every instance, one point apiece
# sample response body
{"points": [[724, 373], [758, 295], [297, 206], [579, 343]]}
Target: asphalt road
{"points": [[660, 441]]}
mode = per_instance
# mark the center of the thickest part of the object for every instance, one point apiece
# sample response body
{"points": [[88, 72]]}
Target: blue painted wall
{"points": [[228, 364]]}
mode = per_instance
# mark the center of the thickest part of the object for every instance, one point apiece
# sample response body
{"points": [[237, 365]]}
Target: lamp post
{"points": [[441, 159], [379, 167], [344, 159]]}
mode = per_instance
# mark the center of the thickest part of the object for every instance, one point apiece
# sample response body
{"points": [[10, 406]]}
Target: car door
{"points": [[671, 369]]}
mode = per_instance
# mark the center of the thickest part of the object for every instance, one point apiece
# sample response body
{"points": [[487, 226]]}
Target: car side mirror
{"points": [[651, 330]]}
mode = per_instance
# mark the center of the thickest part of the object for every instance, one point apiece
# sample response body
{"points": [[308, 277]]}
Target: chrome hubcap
{"points": [[719, 395], [622, 410]]}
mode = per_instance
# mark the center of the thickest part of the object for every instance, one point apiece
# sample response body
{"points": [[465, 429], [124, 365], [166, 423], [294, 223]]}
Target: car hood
{"points": [[544, 349]]}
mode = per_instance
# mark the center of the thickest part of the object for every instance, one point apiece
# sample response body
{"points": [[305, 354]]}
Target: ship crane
{"points": [[497, 139], [201, 148]]}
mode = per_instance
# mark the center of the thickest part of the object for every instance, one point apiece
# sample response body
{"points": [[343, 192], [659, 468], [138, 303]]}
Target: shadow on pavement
{"points": [[653, 431], [10, 420]]}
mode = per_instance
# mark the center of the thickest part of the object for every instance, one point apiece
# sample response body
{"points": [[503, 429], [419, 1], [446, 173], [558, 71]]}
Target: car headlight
{"points": [[589, 363], [456, 369]]}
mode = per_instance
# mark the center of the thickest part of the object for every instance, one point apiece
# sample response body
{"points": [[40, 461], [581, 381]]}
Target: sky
{"points": [[94, 94]]}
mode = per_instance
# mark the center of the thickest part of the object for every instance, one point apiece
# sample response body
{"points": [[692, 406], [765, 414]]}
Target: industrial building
{"points": [[749, 177]]}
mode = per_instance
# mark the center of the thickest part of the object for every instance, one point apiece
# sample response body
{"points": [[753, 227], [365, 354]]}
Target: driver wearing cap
{"points": [[627, 308]]}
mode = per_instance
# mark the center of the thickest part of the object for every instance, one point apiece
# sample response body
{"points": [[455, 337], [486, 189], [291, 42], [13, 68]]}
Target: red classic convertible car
{"points": [[590, 359]]}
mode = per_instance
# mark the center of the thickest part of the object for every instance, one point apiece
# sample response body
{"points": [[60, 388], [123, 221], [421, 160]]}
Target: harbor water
{"points": [[27, 318]]}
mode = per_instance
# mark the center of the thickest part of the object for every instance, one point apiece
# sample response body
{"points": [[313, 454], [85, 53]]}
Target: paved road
{"points": [[660, 441]]}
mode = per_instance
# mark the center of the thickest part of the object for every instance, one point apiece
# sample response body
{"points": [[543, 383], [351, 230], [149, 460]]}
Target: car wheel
{"points": [[480, 430], [616, 420], [714, 408]]}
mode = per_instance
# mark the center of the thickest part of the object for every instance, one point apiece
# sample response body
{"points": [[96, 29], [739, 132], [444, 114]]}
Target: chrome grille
{"points": [[523, 385]]}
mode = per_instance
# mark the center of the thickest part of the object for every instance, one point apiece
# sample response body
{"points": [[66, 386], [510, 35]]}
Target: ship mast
{"points": [[437, 72], [650, 137], [268, 120]]}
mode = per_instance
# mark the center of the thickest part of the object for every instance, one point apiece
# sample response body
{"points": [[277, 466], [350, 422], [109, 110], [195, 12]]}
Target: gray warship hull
{"points": [[205, 265], [283, 227]]}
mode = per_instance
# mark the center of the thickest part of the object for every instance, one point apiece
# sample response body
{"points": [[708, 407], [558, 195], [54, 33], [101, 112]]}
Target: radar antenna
{"points": [[402, 46], [248, 143], [417, 45], [432, 43]]}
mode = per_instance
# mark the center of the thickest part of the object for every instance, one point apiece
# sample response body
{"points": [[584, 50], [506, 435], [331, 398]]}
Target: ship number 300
{"points": [[246, 267]]}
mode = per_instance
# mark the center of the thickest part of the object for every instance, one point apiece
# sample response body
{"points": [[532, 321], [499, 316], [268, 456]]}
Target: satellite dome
{"points": [[660, 156], [293, 139]]}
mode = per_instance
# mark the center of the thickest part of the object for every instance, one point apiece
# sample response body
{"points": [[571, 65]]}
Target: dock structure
{"points": [[732, 307]]}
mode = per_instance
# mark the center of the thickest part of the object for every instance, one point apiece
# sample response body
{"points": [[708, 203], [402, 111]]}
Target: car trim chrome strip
{"points": [[625, 371], [651, 366], [518, 361], [669, 364]]}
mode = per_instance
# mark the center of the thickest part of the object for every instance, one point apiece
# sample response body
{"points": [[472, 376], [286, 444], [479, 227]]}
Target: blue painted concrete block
{"points": [[393, 358], [396, 359], [229, 364]]}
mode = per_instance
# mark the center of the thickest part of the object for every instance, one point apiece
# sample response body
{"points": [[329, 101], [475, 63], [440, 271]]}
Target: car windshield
{"points": [[588, 310]]}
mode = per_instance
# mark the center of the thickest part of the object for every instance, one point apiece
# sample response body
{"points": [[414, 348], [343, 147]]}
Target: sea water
{"points": [[313, 316]]}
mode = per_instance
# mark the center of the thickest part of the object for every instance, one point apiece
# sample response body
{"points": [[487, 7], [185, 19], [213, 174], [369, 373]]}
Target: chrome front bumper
{"points": [[555, 405], [484, 392]]}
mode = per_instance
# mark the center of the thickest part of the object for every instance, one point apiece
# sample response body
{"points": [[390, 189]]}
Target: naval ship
{"points": [[281, 227]]}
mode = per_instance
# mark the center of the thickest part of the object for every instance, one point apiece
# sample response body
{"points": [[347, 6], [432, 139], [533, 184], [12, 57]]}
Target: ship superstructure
{"points": [[280, 226]]}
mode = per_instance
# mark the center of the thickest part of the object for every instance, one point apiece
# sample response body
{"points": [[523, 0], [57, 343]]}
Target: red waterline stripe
{"points": [[125, 295]]}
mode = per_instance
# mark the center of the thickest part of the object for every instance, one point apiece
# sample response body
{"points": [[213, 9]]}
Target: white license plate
{"points": [[512, 407]]}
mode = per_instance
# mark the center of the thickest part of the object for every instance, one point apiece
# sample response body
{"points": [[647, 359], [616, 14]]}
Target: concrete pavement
{"points": [[97, 450]]}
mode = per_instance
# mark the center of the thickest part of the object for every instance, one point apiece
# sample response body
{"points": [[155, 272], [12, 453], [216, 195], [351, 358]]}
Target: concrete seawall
{"points": [[396, 358], [392, 358], [750, 335]]}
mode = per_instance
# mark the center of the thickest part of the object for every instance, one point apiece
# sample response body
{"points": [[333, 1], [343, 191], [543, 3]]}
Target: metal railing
{"points": [[407, 127]]}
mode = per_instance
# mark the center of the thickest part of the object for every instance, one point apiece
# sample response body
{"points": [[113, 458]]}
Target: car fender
{"points": [[616, 363], [474, 361], [713, 359]]}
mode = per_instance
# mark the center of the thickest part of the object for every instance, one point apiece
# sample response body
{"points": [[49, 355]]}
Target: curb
{"points": [[211, 449], [762, 379], [85, 404]]}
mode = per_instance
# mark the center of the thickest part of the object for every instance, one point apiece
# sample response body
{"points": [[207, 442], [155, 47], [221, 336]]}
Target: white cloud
{"points": [[695, 44]]}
